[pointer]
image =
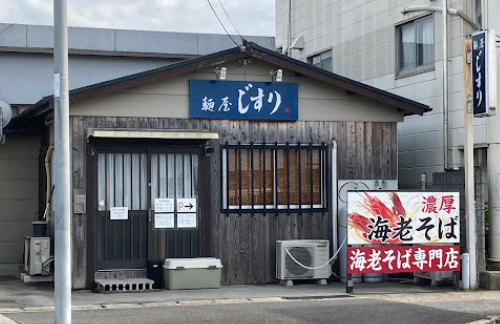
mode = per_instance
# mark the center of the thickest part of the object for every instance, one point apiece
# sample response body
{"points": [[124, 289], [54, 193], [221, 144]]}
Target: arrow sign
{"points": [[186, 205]]}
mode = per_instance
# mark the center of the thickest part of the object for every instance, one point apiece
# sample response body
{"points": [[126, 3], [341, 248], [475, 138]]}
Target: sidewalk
{"points": [[16, 296]]}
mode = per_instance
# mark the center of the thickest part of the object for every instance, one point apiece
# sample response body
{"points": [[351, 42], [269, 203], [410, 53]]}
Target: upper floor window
{"points": [[323, 60], [416, 45]]}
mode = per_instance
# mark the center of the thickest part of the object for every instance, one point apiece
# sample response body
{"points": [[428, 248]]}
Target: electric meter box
{"points": [[192, 273]]}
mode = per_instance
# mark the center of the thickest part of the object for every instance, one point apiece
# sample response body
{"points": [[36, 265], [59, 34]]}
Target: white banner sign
{"points": [[399, 217]]}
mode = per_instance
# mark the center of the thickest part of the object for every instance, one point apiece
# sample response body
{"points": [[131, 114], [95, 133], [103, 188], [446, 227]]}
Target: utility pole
{"points": [[470, 212], [62, 207]]}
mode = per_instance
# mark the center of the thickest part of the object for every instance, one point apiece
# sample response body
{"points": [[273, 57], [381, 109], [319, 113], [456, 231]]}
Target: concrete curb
{"points": [[487, 320], [199, 302]]}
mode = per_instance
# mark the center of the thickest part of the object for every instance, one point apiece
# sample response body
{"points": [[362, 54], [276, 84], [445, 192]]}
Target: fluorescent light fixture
{"points": [[279, 75], [222, 73]]}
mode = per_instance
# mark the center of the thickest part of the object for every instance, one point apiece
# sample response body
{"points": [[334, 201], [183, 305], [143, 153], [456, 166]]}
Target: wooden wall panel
{"points": [[246, 242], [79, 222]]}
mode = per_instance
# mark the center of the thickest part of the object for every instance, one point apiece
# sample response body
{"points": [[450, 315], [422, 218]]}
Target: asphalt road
{"points": [[332, 310]]}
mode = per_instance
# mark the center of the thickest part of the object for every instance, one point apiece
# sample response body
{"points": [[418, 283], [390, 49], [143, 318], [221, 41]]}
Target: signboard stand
{"points": [[403, 231], [349, 285], [455, 285]]}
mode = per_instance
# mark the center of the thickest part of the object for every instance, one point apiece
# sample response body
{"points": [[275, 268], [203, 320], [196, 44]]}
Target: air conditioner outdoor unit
{"points": [[36, 253], [311, 253]]}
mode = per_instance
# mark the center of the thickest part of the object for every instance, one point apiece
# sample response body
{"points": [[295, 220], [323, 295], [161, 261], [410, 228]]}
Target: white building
{"points": [[387, 46]]}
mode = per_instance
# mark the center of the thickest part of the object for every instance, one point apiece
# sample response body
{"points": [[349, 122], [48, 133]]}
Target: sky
{"points": [[250, 17]]}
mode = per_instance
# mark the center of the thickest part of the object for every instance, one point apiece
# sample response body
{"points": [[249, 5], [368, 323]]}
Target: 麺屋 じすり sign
{"points": [[243, 100], [399, 217], [388, 259], [484, 75]]}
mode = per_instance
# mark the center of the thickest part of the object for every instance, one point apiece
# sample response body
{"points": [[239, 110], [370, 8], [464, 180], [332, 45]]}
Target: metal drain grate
{"points": [[124, 285]]}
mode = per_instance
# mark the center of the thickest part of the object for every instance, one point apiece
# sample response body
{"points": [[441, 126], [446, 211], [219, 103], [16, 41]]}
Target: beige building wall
{"points": [[362, 37], [18, 198], [170, 98]]}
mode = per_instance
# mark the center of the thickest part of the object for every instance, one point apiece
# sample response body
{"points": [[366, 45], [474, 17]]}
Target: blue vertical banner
{"points": [[243, 100], [480, 90]]}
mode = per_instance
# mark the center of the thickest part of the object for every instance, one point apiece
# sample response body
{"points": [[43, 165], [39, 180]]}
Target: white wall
{"points": [[318, 101], [26, 78], [96, 55], [362, 37]]}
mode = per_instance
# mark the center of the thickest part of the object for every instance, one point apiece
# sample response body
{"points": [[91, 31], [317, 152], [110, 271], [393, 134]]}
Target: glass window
{"points": [[416, 44], [280, 177], [323, 60], [240, 177]]}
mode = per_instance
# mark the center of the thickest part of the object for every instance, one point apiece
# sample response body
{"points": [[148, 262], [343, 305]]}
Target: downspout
{"points": [[485, 11], [334, 198], [451, 11], [289, 32], [445, 83]]}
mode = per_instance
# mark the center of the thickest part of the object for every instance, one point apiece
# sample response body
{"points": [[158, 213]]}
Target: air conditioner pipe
{"points": [[451, 11]]}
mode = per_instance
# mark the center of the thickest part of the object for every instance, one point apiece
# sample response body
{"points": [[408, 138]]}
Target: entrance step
{"points": [[124, 285]]}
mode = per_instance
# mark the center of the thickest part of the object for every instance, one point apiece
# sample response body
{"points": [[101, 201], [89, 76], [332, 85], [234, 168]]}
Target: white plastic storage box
{"points": [[192, 273]]}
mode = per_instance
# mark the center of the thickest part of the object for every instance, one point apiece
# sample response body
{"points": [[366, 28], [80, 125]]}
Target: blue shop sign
{"points": [[243, 100], [480, 73]]}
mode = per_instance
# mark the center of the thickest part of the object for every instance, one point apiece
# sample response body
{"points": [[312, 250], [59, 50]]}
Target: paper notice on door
{"points": [[186, 205], [118, 213], [164, 220], [186, 220], [164, 205]]}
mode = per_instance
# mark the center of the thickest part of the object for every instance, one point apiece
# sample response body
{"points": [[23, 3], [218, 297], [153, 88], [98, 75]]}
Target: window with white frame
{"points": [[416, 45], [274, 177], [323, 60]]}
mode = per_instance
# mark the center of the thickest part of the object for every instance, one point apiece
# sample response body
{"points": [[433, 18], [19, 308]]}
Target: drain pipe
{"points": [[445, 83], [288, 51], [334, 198], [451, 11], [484, 14]]}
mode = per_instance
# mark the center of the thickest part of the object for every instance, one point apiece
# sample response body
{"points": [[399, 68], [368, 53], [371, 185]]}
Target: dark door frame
{"points": [[148, 146]]}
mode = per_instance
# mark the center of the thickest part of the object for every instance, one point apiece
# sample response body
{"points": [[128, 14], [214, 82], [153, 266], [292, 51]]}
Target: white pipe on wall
{"points": [[334, 198], [445, 82]]}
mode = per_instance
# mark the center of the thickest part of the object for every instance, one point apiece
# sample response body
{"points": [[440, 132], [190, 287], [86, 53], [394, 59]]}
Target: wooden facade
{"points": [[360, 119], [245, 243]]}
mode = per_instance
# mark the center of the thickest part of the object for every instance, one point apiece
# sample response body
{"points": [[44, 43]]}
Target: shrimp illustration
{"points": [[359, 222], [397, 208], [377, 207]]}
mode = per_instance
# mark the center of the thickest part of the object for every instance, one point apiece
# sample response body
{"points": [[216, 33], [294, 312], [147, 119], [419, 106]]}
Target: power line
{"points": [[220, 22], [229, 19]]}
